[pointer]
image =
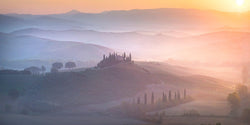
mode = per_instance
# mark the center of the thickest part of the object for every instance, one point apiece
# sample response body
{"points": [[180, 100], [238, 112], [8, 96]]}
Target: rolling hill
{"points": [[230, 46], [21, 49], [72, 89]]}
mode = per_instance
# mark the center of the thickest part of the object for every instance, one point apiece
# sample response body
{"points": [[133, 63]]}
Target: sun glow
{"points": [[239, 2]]}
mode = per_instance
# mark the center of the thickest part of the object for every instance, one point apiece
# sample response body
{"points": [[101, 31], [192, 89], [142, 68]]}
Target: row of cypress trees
{"points": [[165, 97]]}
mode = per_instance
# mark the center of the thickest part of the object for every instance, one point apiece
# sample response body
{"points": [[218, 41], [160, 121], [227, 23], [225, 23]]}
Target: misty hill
{"points": [[16, 22], [231, 45], [121, 41], [9, 23], [28, 48], [168, 18], [222, 47], [73, 89], [149, 19]]}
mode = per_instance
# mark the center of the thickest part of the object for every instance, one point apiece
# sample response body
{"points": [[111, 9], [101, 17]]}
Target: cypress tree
{"points": [[178, 95], [138, 100], [145, 98], [124, 56], [152, 98], [164, 97], [175, 96], [169, 95], [185, 93], [163, 94], [130, 57], [103, 57]]}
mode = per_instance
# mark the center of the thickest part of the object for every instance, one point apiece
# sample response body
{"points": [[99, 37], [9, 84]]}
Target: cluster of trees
{"points": [[113, 59], [58, 65], [36, 70], [165, 98], [236, 99]]}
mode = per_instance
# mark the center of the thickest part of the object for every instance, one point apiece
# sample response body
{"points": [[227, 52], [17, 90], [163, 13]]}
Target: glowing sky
{"points": [[94, 6]]}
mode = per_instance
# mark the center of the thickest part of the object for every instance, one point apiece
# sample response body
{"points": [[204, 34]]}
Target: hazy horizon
{"points": [[88, 6], [132, 9]]}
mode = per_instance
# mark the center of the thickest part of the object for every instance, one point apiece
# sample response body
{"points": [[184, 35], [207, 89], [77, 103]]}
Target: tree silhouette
{"points": [[152, 98], [43, 69], [169, 95], [70, 65], [178, 95], [57, 65], [130, 57], [164, 97], [234, 101], [33, 70], [185, 94]]}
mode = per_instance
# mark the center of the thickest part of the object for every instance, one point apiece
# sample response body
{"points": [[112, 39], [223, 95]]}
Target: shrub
{"points": [[70, 65], [13, 93], [57, 65]]}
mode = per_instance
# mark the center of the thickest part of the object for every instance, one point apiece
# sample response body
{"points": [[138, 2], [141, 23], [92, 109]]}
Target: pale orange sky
{"points": [[94, 6]]}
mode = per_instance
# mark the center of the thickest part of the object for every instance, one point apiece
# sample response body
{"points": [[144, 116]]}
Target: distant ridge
{"points": [[73, 12], [129, 20]]}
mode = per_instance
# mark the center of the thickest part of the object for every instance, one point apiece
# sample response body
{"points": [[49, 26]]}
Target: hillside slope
{"points": [[72, 89]]}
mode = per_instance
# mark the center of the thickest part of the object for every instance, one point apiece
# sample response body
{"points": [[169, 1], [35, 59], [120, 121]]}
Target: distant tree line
{"points": [[14, 72], [34, 70], [235, 100], [113, 59], [58, 65]]}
